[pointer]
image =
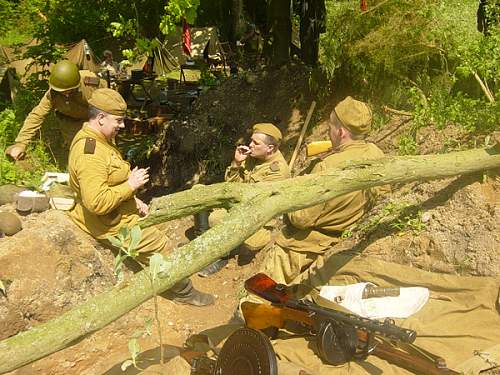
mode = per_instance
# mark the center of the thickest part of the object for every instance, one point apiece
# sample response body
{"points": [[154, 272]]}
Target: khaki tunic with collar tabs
{"points": [[104, 200], [316, 228]]}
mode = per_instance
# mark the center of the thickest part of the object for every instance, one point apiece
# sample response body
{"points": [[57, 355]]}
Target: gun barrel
{"points": [[386, 328]]}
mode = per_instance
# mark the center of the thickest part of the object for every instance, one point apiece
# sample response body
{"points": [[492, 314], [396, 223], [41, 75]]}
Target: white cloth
{"points": [[409, 301]]}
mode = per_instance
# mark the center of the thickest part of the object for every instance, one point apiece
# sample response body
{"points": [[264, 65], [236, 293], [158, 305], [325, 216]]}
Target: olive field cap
{"points": [[64, 76], [109, 101], [354, 115], [268, 129]]}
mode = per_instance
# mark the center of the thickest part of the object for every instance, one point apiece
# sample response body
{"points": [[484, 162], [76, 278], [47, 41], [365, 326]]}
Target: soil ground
{"points": [[446, 226]]}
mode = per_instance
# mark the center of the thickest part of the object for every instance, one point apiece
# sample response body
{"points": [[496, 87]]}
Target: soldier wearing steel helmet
{"points": [[68, 95]]}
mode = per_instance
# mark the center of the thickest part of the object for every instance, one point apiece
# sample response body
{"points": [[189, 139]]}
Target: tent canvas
{"points": [[13, 63], [169, 55]]}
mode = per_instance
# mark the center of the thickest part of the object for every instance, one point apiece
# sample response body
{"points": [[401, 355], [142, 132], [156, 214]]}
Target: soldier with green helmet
{"points": [[260, 161], [313, 230], [105, 187], [68, 95]]}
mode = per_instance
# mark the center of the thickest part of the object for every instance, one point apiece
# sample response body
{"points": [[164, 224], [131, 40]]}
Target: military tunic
{"points": [[251, 171], [71, 112], [317, 228], [104, 200]]}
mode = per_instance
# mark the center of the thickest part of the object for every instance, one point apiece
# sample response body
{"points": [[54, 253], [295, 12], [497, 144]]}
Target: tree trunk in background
{"points": [[236, 19], [280, 24], [312, 24], [252, 205]]}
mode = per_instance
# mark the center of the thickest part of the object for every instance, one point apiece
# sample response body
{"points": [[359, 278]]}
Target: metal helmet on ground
{"points": [[64, 76], [9, 224]]}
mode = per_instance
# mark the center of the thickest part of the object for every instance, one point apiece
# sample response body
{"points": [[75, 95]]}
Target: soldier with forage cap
{"points": [[260, 161], [313, 230], [105, 187], [68, 95]]}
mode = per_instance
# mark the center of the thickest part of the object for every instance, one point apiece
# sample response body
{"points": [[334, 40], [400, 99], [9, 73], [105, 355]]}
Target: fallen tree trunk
{"points": [[250, 207]]}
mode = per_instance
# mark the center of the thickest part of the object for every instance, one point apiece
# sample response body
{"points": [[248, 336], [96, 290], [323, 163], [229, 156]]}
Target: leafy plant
{"points": [[419, 55], [412, 222], [126, 241], [407, 145], [207, 78]]}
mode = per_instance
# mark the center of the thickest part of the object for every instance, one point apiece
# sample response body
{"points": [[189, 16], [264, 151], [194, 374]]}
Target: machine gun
{"points": [[341, 337]]}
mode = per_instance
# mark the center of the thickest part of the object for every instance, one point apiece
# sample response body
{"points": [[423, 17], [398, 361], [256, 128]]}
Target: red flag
{"points": [[363, 5], [186, 38]]}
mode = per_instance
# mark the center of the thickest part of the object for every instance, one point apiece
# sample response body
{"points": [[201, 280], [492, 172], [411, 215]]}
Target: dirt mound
{"points": [[199, 147], [448, 226], [47, 267]]}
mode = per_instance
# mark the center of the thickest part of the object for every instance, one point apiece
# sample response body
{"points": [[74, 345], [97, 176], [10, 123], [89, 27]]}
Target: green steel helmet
{"points": [[64, 76]]}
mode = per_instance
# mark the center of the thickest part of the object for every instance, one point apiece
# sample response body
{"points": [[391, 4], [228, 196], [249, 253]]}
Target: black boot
{"points": [[185, 293], [213, 267]]}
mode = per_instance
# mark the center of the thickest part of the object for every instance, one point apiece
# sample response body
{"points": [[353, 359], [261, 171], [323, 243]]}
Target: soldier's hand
{"points": [[241, 153], [16, 152], [138, 178], [141, 206]]}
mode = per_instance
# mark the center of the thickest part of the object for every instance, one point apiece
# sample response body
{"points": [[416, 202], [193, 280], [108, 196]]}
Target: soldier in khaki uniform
{"points": [[315, 229], [68, 96], [261, 161], [105, 187]]}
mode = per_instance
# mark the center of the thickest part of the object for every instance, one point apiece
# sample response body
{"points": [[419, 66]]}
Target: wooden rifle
{"points": [[340, 337]]}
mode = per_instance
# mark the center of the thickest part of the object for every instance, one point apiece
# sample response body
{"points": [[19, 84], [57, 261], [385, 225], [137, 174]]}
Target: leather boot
{"points": [[185, 293], [213, 268]]}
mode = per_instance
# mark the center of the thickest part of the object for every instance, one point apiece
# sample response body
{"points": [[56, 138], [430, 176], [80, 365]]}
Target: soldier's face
{"points": [[259, 149], [68, 93], [110, 125]]}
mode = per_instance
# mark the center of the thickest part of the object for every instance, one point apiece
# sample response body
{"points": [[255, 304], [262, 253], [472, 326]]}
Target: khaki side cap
{"points": [[268, 129], [109, 101], [354, 115]]}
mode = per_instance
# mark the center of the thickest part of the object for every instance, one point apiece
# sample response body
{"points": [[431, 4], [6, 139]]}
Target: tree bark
{"points": [[279, 18], [251, 206]]}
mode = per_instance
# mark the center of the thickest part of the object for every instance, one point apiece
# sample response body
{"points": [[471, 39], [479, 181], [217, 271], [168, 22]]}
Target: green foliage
{"points": [[134, 349], [207, 78], [399, 216], [416, 55], [411, 222], [407, 145], [126, 242], [18, 20], [175, 10], [40, 161]]}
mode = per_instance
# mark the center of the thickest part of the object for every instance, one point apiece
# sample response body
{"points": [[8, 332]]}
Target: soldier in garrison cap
{"points": [[313, 230], [105, 188], [260, 161], [68, 95]]}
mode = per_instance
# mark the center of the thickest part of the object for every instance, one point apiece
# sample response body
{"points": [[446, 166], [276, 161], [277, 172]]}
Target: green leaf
{"points": [[124, 233], [155, 264], [115, 241], [135, 238], [148, 326], [134, 349], [118, 264], [126, 364], [137, 334]]}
